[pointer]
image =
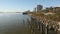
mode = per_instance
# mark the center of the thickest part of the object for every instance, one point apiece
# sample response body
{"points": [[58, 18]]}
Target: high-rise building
{"points": [[39, 7]]}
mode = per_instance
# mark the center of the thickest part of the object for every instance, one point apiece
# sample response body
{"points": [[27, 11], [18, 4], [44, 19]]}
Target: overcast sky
{"points": [[23, 5]]}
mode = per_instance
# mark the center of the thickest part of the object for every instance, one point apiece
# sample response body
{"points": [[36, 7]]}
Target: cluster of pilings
{"points": [[42, 26]]}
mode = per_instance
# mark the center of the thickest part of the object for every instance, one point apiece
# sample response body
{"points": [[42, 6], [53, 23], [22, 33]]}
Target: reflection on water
{"points": [[13, 23]]}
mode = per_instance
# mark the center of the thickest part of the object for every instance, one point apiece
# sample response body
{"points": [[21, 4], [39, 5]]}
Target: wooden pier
{"points": [[42, 25]]}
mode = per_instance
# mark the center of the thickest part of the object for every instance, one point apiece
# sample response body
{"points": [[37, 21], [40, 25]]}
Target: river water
{"points": [[14, 23]]}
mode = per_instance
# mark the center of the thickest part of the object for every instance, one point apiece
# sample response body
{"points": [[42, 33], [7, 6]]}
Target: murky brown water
{"points": [[13, 23]]}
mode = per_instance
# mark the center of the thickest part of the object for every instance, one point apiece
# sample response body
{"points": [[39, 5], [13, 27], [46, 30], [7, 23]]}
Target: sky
{"points": [[24, 5]]}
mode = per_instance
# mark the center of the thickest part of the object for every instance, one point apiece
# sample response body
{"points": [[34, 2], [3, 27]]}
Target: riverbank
{"points": [[50, 20]]}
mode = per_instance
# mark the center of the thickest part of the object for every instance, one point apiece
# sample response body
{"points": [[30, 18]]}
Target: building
{"points": [[38, 8], [56, 9], [53, 9]]}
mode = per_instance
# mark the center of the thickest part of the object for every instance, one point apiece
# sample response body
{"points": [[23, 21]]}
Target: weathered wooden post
{"points": [[23, 22], [40, 25], [46, 30], [43, 27], [30, 26]]}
